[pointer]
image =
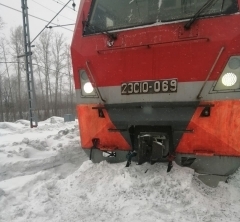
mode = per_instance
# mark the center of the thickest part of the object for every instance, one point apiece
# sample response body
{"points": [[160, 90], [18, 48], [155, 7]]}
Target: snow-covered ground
{"points": [[45, 176]]}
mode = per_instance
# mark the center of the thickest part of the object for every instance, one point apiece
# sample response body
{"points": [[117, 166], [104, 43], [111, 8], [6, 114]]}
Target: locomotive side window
{"points": [[107, 15]]}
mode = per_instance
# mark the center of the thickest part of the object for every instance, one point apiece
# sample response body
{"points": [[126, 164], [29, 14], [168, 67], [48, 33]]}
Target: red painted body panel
{"points": [[91, 126], [214, 135], [163, 51]]}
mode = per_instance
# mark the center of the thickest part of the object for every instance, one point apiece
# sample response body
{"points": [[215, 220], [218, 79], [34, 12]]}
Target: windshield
{"points": [[108, 15]]}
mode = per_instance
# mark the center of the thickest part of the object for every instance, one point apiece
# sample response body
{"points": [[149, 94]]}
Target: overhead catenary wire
{"points": [[51, 10], [50, 22], [61, 3], [33, 16]]}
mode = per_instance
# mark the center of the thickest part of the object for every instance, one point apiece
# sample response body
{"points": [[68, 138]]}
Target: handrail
{"points": [[94, 82], [210, 72]]}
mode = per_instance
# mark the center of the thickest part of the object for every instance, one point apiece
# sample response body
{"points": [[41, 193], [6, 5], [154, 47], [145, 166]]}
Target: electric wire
{"points": [[34, 16], [50, 22], [51, 10], [35, 38], [61, 3]]}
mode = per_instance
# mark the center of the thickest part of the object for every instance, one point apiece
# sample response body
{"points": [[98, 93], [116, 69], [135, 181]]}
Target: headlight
{"points": [[229, 79], [88, 88]]}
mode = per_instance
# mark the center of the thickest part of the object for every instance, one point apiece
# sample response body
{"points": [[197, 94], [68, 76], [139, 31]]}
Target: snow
{"points": [[45, 176]]}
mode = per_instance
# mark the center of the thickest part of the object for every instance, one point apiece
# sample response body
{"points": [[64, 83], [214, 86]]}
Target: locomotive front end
{"points": [[159, 79]]}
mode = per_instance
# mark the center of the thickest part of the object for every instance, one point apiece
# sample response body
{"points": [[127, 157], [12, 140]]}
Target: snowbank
{"points": [[45, 176]]}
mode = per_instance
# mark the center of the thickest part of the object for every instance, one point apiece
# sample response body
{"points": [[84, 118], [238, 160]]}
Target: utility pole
{"points": [[28, 60], [28, 66]]}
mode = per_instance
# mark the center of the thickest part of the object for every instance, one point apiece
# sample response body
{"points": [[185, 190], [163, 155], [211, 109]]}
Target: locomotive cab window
{"points": [[109, 15]]}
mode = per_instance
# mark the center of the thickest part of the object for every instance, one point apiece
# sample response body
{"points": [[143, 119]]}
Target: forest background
{"points": [[52, 72]]}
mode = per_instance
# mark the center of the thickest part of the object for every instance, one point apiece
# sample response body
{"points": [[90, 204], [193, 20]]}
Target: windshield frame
{"points": [[89, 29]]}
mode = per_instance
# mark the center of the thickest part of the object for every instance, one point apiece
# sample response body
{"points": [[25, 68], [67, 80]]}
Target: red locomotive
{"points": [[160, 78]]}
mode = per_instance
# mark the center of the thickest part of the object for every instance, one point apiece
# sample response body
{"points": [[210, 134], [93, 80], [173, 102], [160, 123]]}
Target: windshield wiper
{"points": [[95, 29], [194, 18]]}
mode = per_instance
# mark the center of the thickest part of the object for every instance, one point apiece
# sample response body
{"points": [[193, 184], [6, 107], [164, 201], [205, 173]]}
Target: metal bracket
{"points": [[171, 157], [95, 142], [184, 130], [100, 111], [110, 154], [129, 157], [117, 130], [206, 112]]}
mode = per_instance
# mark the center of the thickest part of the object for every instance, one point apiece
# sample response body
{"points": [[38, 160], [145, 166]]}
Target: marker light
{"points": [[84, 75], [229, 79], [234, 63], [88, 88]]}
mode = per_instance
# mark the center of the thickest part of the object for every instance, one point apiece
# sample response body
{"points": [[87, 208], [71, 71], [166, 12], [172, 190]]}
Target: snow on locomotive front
{"points": [[161, 77]]}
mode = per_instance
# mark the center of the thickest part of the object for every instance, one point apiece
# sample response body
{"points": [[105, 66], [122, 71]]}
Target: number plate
{"points": [[147, 87]]}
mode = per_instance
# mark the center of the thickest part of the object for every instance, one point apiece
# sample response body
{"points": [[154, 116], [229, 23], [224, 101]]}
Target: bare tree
{"points": [[39, 84], [1, 79], [1, 87], [43, 53], [7, 99], [58, 65], [69, 78], [1, 99], [52, 73], [8, 91], [17, 45], [1, 23]]}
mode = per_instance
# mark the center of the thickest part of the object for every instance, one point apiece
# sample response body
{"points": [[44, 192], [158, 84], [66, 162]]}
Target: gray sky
{"points": [[43, 9]]}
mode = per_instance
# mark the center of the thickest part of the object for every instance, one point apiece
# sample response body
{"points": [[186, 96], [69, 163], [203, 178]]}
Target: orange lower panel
{"points": [[218, 134], [92, 126]]}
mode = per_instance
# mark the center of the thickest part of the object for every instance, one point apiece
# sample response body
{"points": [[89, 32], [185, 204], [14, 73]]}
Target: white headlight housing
{"points": [[230, 78], [87, 89]]}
